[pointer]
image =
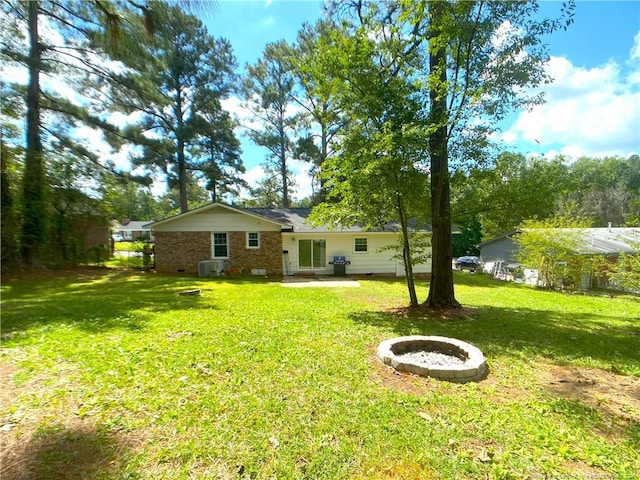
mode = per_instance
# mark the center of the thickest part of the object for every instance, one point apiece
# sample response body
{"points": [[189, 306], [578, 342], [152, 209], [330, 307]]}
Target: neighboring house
{"points": [[131, 230], [498, 250], [271, 241], [499, 255]]}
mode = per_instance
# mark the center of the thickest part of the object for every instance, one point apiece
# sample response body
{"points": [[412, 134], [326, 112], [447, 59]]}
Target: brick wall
{"points": [[181, 251], [268, 256]]}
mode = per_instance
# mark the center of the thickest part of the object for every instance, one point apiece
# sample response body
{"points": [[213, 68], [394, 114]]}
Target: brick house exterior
{"points": [[276, 241], [267, 257], [181, 251]]}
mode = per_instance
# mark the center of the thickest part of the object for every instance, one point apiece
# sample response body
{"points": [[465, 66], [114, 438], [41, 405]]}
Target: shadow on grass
{"points": [[520, 331], [97, 300], [61, 454]]}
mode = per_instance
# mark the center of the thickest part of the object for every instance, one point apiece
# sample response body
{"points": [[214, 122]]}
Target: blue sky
{"points": [[593, 106]]}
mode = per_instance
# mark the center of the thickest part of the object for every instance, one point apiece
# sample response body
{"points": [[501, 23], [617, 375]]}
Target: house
{"points": [[271, 241], [499, 255], [497, 251], [131, 230]]}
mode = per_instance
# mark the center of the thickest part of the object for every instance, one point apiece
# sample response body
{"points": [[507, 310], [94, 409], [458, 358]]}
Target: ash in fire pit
{"points": [[431, 356]]}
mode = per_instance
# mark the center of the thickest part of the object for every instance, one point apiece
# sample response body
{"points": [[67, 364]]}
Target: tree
{"points": [[606, 190], [473, 62], [72, 213], [220, 149], [33, 201], [268, 89], [186, 76], [500, 196], [482, 57], [268, 193], [125, 198], [10, 152], [79, 49], [170, 201], [323, 118], [377, 177], [552, 247]]}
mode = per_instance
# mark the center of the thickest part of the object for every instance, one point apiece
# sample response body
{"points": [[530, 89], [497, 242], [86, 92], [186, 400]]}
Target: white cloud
{"points": [[269, 21], [241, 113], [121, 119], [588, 111], [301, 177], [635, 50]]}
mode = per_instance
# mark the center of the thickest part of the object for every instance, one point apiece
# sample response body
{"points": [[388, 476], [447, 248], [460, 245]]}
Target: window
{"points": [[360, 245], [220, 245], [312, 254], [253, 240]]}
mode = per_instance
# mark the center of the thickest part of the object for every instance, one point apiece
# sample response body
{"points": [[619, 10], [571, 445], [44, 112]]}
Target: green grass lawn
{"points": [[110, 374]]}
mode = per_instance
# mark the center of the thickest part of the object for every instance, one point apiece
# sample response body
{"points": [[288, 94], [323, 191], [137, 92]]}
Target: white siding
{"points": [[342, 244], [219, 220]]}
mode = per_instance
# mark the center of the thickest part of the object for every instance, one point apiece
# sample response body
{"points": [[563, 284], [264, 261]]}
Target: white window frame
{"points": [[257, 234], [366, 245], [213, 244], [323, 258]]}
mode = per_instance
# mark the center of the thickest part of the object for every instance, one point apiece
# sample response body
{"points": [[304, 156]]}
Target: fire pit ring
{"points": [[443, 358]]}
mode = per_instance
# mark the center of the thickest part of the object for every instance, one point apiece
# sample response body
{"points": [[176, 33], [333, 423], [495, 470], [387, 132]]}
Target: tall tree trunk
{"points": [[324, 153], [283, 174], [34, 208], [7, 224], [182, 163], [441, 292], [182, 178], [283, 159], [406, 255]]}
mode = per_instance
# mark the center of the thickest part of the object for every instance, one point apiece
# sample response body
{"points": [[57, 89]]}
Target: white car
{"points": [[117, 237]]}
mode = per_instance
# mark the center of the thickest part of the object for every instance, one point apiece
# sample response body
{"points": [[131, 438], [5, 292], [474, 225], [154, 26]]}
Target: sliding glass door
{"points": [[312, 253]]}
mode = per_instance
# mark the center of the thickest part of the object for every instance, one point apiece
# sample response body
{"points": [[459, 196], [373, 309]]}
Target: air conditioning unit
{"points": [[208, 268]]}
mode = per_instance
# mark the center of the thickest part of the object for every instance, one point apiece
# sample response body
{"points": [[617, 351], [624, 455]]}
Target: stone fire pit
{"points": [[438, 357]]}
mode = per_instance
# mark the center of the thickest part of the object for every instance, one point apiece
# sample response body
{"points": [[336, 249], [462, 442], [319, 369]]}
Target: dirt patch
{"points": [[613, 395]]}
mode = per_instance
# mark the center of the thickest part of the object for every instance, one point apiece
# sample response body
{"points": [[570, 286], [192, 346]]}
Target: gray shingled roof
{"points": [[291, 219], [296, 217]]}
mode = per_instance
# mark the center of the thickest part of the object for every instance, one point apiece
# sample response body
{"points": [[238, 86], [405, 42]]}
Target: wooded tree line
{"points": [[498, 198], [145, 80], [381, 98]]}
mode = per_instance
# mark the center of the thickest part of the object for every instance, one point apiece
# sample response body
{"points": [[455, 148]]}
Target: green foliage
{"points": [[513, 189], [464, 243], [604, 189], [627, 275], [124, 198], [179, 88], [71, 45], [267, 89], [9, 196], [621, 273], [322, 116], [552, 247]]}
